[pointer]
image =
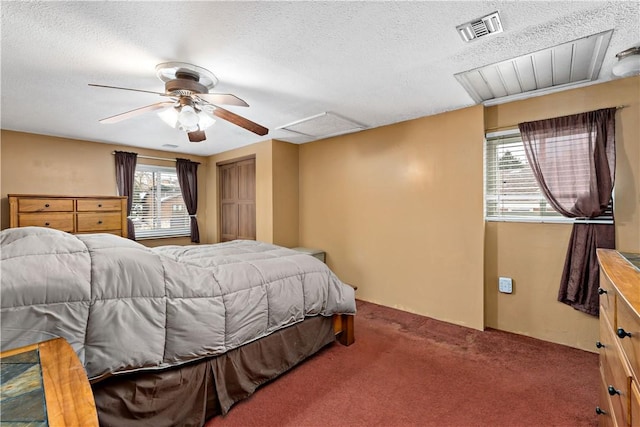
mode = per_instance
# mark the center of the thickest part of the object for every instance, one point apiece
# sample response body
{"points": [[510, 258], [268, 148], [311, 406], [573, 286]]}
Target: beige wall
{"points": [[38, 164], [399, 212], [533, 254], [285, 194]]}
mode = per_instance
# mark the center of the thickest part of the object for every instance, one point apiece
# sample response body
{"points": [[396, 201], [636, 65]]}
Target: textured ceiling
{"points": [[375, 63]]}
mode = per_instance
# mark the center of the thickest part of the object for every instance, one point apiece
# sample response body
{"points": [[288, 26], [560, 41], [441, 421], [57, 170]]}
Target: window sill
{"points": [[164, 236], [550, 220]]}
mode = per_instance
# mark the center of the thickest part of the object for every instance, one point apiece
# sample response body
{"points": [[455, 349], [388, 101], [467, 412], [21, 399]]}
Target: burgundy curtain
{"points": [[125, 172], [573, 159], [188, 179]]}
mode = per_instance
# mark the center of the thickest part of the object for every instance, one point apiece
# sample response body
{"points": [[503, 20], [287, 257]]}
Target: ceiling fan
{"points": [[191, 107]]}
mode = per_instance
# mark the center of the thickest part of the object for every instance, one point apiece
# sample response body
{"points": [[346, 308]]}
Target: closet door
{"points": [[238, 200]]}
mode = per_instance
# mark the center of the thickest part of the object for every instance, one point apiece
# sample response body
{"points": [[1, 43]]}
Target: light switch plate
{"points": [[505, 285]]}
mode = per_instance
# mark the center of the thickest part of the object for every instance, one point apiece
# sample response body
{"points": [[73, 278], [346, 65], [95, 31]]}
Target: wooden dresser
{"points": [[619, 345], [86, 214]]}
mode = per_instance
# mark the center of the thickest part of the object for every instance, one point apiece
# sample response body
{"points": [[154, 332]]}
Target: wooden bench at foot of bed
{"points": [[343, 326]]}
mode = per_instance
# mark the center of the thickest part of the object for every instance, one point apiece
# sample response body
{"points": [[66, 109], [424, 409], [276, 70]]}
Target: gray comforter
{"points": [[125, 307]]}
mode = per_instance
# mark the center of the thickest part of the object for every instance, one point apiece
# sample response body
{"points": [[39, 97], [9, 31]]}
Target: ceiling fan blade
{"points": [[197, 136], [137, 111], [126, 88], [240, 121], [223, 98]]}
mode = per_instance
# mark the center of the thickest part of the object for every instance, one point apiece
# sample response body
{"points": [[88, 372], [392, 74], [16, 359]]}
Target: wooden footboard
{"points": [[343, 326]]}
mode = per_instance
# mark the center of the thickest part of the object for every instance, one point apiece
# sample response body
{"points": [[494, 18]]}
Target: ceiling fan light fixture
{"points": [[170, 116], [205, 120], [628, 63], [169, 71], [186, 118], [192, 107]]}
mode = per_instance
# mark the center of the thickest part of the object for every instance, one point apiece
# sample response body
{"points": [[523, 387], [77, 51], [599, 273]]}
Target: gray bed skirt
{"points": [[191, 394]]}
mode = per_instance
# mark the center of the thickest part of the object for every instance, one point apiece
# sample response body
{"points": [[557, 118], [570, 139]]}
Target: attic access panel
{"points": [[323, 125], [564, 65]]}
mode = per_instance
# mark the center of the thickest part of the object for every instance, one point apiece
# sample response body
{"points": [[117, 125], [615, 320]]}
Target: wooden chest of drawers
{"points": [[87, 214], [619, 343]]}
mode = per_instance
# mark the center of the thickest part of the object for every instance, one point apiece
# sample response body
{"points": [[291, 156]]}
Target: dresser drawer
{"points": [[606, 417], [618, 379], [95, 222], [608, 348], [59, 221], [629, 322], [45, 205], [84, 205]]}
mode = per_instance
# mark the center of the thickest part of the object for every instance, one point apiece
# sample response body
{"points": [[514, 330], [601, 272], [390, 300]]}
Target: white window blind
{"points": [[511, 190], [158, 208]]}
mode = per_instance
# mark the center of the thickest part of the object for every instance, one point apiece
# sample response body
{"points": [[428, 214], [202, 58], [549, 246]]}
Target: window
{"points": [[158, 208], [511, 190]]}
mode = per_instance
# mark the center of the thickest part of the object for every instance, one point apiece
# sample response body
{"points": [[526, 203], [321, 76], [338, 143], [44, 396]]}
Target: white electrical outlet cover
{"points": [[505, 285]]}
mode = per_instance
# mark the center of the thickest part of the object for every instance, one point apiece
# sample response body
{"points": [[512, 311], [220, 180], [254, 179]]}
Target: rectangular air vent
{"points": [[480, 27], [558, 67]]}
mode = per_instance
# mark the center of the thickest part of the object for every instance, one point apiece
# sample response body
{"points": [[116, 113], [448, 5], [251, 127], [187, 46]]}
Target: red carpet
{"points": [[409, 370]]}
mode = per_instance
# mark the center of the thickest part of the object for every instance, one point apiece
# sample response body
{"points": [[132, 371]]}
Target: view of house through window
{"points": [[511, 190], [158, 208]]}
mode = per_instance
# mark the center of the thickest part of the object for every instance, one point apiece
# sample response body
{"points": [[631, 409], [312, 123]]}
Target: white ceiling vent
{"points": [[323, 125], [544, 71], [480, 27]]}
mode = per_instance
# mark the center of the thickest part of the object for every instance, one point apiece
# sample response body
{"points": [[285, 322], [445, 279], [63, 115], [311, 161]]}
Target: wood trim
{"points": [[623, 274], [13, 211], [68, 395], [344, 328], [124, 227], [235, 160], [67, 391], [56, 196]]}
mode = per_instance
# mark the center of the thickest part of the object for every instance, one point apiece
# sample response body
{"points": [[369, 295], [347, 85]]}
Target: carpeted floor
{"points": [[409, 370]]}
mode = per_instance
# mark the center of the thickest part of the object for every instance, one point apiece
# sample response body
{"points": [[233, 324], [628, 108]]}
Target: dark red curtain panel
{"points": [[573, 159], [125, 172], [188, 179]]}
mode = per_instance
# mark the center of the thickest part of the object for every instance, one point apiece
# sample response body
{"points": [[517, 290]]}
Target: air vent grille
{"points": [[480, 27], [561, 66]]}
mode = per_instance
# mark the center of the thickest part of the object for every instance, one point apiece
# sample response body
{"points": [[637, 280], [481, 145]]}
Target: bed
{"points": [[175, 334]]}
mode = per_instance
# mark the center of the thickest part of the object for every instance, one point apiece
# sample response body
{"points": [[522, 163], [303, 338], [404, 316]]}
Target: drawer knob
{"points": [[622, 333], [599, 411], [46, 205], [46, 224], [601, 291], [612, 390], [99, 205], [99, 221], [599, 344]]}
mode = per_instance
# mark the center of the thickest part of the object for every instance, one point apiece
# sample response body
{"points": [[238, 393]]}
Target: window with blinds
{"points": [[511, 190], [158, 208]]}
